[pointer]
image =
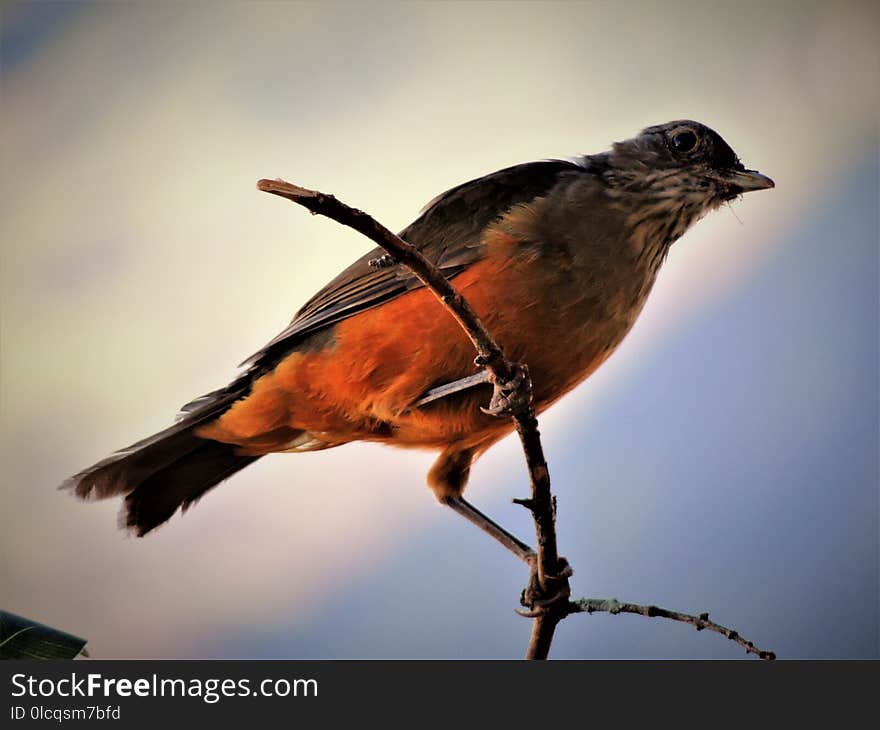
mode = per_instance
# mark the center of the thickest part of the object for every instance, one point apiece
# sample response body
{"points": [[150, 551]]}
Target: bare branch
{"points": [[700, 622]]}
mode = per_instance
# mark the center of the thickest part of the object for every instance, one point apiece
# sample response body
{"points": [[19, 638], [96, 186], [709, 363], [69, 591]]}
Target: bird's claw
{"points": [[511, 395], [539, 598]]}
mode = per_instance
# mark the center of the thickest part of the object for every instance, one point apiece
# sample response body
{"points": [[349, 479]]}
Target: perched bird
{"points": [[557, 257]]}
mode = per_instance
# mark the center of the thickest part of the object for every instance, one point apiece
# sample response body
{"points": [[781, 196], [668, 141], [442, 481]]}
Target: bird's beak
{"points": [[746, 180]]}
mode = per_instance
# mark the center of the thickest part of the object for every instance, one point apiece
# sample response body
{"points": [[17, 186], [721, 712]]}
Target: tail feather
{"points": [[170, 469], [180, 484]]}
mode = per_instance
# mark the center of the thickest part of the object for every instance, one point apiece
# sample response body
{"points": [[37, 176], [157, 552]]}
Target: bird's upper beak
{"points": [[746, 180]]}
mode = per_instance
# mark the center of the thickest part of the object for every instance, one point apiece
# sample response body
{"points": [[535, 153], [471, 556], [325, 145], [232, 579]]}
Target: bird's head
{"points": [[683, 159], [677, 171]]}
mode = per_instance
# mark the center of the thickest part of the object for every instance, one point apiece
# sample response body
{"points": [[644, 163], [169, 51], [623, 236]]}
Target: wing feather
{"points": [[448, 231]]}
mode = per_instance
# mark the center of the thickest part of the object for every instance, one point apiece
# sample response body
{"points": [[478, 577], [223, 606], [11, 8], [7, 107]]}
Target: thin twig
{"points": [[512, 397], [700, 622]]}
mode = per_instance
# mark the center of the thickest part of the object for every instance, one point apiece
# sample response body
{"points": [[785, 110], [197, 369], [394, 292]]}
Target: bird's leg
{"points": [[508, 396], [491, 528], [447, 478], [535, 596], [456, 386]]}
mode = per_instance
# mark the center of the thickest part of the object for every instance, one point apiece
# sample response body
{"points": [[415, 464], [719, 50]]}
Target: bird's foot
{"points": [[555, 591], [511, 395]]}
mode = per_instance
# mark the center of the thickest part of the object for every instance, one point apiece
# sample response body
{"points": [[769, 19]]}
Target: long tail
{"points": [[169, 470]]}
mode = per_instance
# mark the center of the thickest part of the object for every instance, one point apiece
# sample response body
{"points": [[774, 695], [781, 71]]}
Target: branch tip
{"points": [[700, 622], [526, 502]]}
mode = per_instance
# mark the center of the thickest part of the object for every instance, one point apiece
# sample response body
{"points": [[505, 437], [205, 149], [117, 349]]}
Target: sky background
{"points": [[724, 459]]}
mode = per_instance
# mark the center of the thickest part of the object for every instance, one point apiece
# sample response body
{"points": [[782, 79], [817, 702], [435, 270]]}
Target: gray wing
{"points": [[449, 232]]}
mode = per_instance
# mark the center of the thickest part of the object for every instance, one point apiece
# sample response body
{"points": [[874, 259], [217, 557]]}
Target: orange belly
{"points": [[361, 385]]}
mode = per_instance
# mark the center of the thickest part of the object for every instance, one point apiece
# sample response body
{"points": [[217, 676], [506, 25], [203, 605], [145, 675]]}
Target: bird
{"points": [[557, 257]]}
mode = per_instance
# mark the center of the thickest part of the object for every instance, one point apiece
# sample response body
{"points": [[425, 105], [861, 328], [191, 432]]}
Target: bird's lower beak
{"points": [[746, 180]]}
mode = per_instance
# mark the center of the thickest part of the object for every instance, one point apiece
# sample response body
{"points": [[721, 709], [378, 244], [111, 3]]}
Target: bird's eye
{"points": [[685, 141]]}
